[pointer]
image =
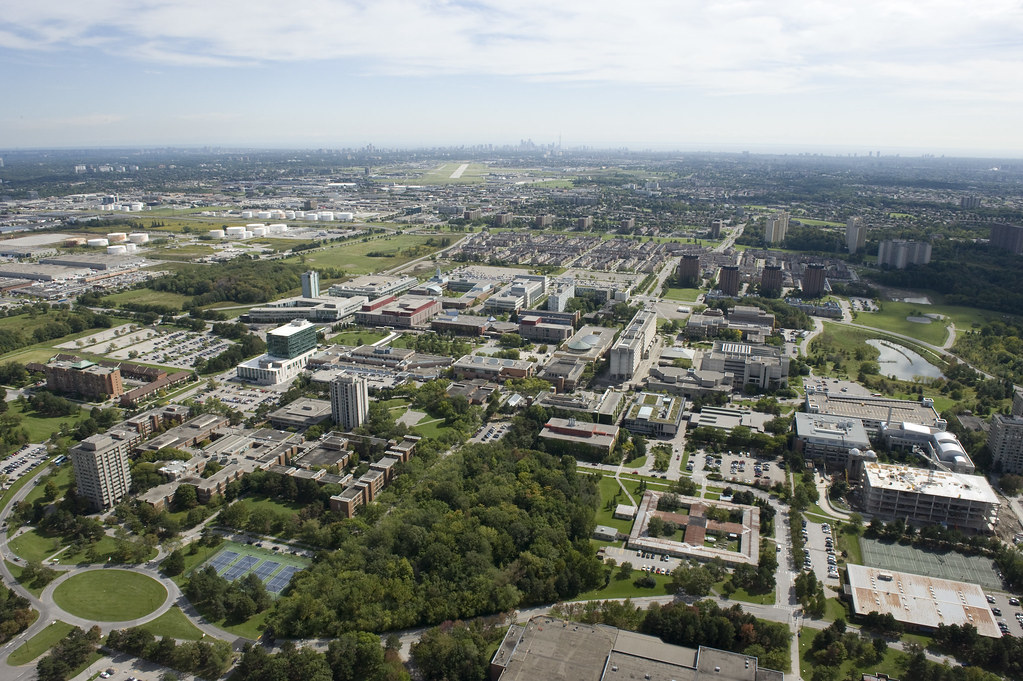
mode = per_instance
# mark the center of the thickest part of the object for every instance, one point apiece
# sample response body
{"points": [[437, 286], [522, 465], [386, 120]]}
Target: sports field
{"points": [[951, 565], [235, 560]]}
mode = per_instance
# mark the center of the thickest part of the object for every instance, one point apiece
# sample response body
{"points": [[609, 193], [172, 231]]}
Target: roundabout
{"points": [[109, 595]]}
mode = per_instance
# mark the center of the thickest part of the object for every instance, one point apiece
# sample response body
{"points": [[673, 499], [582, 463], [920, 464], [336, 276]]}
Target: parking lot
{"points": [[491, 432], [661, 564], [160, 346], [22, 462], [823, 558], [245, 400], [737, 467]]}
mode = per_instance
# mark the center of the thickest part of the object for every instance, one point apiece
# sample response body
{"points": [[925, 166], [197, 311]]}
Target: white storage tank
{"points": [[217, 233], [97, 243], [289, 215], [264, 215], [259, 231], [345, 217], [236, 232], [326, 215], [254, 224], [248, 234], [137, 206], [246, 213], [311, 217], [138, 238], [131, 248], [117, 249], [117, 237], [275, 228]]}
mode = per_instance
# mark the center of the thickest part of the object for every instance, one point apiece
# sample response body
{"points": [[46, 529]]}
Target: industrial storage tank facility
{"points": [[97, 243]]}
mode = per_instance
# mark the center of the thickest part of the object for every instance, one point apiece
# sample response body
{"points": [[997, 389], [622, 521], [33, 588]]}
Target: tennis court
{"points": [[235, 560], [955, 566], [281, 579]]}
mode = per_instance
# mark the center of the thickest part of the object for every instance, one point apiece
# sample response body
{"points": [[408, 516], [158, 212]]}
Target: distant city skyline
{"points": [[899, 76]]}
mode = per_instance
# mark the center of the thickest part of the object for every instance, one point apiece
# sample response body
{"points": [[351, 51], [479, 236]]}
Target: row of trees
{"points": [[68, 654], [352, 656], [218, 598], [204, 658], [15, 614], [60, 321]]}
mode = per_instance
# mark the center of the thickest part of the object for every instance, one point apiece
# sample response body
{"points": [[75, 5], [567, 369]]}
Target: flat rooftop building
{"points": [[373, 286], [918, 601], [822, 436], [872, 411], [929, 496], [555, 650]]}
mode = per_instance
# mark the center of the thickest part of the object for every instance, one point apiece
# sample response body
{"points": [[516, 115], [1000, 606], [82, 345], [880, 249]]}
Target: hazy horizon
{"points": [[939, 78]]}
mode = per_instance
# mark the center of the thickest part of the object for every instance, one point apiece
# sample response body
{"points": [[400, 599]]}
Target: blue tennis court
{"points": [[223, 559], [281, 579], [240, 568], [266, 568]]}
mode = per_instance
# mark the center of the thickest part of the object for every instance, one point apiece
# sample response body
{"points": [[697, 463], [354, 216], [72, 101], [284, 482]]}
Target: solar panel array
{"points": [[281, 579]]}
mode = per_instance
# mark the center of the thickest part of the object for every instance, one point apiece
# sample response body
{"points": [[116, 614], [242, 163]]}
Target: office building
{"points": [[777, 228], [349, 401], [829, 438], [291, 340], [729, 280], [969, 202], [1006, 442], [654, 415], [373, 286], [771, 281], [715, 228], [855, 234], [405, 312], [325, 309], [934, 444], [1007, 238], [581, 439], [761, 365], [688, 271], [102, 474], [633, 345], [311, 284], [929, 497], [84, 378], [813, 281], [899, 254], [872, 411]]}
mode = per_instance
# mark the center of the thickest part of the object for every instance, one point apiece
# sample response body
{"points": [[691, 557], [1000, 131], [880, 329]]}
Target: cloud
{"points": [[724, 46]]}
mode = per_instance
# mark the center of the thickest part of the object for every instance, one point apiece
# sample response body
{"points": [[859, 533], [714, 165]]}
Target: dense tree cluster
{"points": [[834, 645], [705, 623], [15, 614], [239, 281], [60, 321], [455, 651], [218, 598], [68, 654], [247, 345], [810, 593], [203, 658], [49, 405], [352, 656], [485, 530]]}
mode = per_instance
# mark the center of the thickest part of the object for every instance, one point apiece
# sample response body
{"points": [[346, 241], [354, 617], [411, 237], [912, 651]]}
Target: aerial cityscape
{"points": [[474, 342]]}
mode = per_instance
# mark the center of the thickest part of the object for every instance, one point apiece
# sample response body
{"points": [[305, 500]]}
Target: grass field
{"points": [[39, 644], [40, 428], [16, 571], [182, 253], [62, 477], [893, 318], [684, 294], [358, 337], [430, 427], [624, 588], [147, 296], [34, 547], [174, 624], [849, 542], [809, 222], [353, 259], [745, 596], [110, 595], [608, 489]]}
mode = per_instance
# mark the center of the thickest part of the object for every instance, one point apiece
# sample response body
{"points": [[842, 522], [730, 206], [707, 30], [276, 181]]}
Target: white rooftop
{"points": [[291, 328], [936, 483]]}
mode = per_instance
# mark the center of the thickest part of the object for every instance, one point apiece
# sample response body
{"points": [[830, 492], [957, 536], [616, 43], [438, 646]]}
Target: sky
{"points": [[912, 76]]}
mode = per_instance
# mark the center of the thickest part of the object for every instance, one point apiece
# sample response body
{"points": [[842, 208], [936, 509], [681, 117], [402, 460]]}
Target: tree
{"points": [[174, 564], [624, 571]]}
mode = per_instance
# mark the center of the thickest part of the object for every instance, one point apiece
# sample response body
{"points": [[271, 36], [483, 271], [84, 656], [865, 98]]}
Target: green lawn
{"points": [[833, 609], [358, 337], [110, 595], [192, 560], [608, 489], [251, 628], [636, 463], [624, 588], [274, 505], [62, 477], [473, 174], [684, 294], [183, 253], [893, 663], [40, 428], [893, 318], [175, 624], [39, 644], [850, 543], [146, 296], [16, 571], [430, 427], [353, 256], [33, 546], [809, 222], [745, 596]]}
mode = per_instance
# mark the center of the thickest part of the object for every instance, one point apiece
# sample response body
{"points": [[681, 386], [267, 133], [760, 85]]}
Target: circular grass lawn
{"points": [[110, 595]]}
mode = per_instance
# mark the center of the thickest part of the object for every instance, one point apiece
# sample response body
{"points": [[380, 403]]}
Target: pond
{"points": [[903, 363]]}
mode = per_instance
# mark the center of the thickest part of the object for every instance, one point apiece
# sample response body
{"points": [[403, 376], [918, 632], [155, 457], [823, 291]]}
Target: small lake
{"points": [[903, 363]]}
